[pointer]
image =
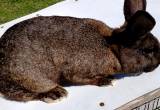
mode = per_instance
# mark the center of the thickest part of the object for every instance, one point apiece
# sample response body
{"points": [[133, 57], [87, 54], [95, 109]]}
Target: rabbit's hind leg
{"points": [[13, 91]]}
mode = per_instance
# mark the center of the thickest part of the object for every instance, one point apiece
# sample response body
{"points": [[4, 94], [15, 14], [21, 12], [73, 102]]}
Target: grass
{"points": [[12, 9]]}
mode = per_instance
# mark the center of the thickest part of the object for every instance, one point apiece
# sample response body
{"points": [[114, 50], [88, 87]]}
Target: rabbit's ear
{"points": [[136, 27], [132, 6], [139, 24]]}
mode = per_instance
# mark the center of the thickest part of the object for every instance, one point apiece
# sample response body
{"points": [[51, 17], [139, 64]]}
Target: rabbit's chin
{"points": [[137, 71], [150, 68]]}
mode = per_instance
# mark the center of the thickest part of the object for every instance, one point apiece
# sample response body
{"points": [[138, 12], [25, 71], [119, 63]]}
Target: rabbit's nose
{"points": [[158, 56]]}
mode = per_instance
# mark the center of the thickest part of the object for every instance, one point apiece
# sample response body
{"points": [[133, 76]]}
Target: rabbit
{"points": [[39, 56]]}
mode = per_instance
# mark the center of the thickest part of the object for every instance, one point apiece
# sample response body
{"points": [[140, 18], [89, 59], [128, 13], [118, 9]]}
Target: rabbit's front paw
{"points": [[104, 81]]}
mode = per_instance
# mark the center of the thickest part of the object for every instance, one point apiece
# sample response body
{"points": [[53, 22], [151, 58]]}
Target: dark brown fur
{"points": [[131, 6], [39, 55]]}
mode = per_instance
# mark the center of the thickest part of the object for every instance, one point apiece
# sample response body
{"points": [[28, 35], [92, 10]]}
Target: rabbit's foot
{"points": [[55, 94], [103, 81]]}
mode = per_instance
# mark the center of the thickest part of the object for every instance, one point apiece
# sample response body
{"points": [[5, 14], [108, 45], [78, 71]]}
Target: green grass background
{"points": [[12, 9]]}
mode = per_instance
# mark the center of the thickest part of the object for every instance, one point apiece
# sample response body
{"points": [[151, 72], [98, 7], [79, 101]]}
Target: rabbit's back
{"points": [[49, 46]]}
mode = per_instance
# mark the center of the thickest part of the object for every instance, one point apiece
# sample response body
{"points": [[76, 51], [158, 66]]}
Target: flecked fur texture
{"points": [[40, 55]]}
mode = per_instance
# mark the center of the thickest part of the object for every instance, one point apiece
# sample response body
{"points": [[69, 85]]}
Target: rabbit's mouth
{"points": [[150, 68]]}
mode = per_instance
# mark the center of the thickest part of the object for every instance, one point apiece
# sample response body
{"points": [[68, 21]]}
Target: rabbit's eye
{"points": [[146, 50]]}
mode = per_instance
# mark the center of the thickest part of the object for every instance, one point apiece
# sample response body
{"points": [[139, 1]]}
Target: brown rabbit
{"points": [[40, 55]]}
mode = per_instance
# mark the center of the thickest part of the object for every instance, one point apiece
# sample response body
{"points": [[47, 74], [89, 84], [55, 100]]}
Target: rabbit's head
{"points": [[137, 49]]}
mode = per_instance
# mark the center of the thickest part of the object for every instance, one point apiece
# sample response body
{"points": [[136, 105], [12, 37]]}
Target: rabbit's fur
{"points": [[39, 55]]}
